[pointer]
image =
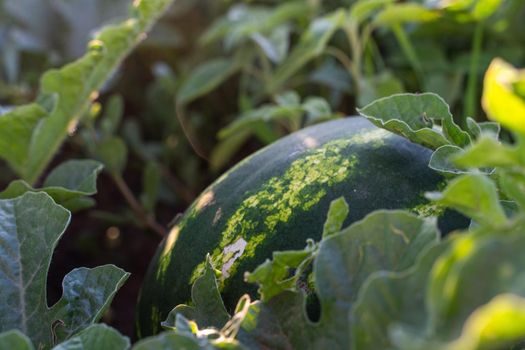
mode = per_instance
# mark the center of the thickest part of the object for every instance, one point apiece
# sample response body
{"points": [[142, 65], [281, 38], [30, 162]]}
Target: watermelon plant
{"points": [[277, 199], [391, 280], [366, 279]]}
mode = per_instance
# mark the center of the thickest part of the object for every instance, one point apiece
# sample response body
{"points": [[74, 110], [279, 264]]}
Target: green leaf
{"points": [[362, 9], [16, 129], [377, 86], [113, 112], [317, 109], [405, 12], [74, 86], [208, 308], [478, 9], [383, 241], [495, 325], [15, 340], [500, 102], [31, 227], [311, 44], [151, 182], [275, 276], [490, 129], [473, 128], [475, 196], [275, 45], [390, 299], [75, 175], [67, 184], [440, 160], [288, 99], [411, 115], [265, 113], [337, 214], [456, 289], [487, 152], [512, 184], [206, 78], [243, 21], [96, 337], [113, 153], [188, 336], [223, 152], [168, 341]]}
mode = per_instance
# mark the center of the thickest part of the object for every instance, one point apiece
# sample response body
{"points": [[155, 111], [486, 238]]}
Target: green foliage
{"points": [[31, 227], [385, 282], [66, 93], [390, 281]]}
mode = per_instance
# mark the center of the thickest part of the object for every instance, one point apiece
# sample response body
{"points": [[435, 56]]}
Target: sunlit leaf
{"points": [[500, 102], [475, 196]]}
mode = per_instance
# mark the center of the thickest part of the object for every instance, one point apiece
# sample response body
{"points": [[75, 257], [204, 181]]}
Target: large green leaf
{"points": [[456, 289], [96, 337], [66, 93], [30, 229], [412, 116], [474, 195], [383, 241], [441, 303], [391, 298], [495, 325], [67, 184]]}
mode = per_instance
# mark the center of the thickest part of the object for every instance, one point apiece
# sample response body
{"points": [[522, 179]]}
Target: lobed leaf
{"points": [[383, 241], [30, 228], [391, 299]]}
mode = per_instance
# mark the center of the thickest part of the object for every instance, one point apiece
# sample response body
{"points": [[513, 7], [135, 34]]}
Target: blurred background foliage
{"points": [[217, 80]]}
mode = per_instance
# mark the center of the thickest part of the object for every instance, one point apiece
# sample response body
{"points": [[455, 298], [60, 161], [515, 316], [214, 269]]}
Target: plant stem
{"points": [[409, 51], [181, 116], [137, 208], [469, 108]]}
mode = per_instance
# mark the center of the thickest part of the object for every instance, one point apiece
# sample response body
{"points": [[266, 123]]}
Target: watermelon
{"points": [[278, 198]]}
